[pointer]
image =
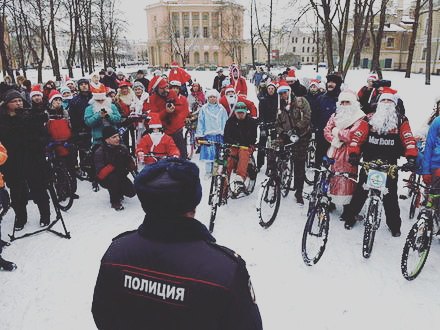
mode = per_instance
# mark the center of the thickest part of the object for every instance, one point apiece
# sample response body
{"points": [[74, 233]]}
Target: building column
{"points": [[210, 25]]}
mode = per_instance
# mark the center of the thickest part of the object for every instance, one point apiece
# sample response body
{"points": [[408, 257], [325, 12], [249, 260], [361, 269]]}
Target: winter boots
{"points": [[44, 209], [20, 218], [7, 265]]}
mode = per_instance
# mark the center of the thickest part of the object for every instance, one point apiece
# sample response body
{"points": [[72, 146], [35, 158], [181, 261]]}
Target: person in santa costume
{"points": [[38, 105], [341, 125], [156, 143], [179, 74], [237, 81], [231, 98], [295, 86], [125, 97], [95, 85], [173, 110]]}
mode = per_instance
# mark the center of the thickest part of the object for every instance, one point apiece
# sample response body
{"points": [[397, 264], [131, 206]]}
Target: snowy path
{"points": [[53, 286]]}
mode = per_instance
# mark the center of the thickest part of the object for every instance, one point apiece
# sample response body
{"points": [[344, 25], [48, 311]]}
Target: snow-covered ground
{"points": [[53, 285]]}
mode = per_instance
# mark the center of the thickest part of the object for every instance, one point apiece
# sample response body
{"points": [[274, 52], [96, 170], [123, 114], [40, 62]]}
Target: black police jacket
{"points": [[170, 274]]}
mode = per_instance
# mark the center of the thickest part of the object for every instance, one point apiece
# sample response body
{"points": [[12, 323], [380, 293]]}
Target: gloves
{"points": [[427, 178], [354, 159], [410, 165], [294, 138]]}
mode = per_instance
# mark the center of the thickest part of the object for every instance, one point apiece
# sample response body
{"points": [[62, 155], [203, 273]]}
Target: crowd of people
{"points": [[126, 124]]}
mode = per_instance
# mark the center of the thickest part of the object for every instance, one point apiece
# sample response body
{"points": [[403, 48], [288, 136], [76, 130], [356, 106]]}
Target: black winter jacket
{"points": [[77, 108], [170, 275], [268, 108], [242, 132], [24, 137]]}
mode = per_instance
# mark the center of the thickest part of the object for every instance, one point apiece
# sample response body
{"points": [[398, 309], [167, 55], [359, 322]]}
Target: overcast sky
{"points": [[135, 15], [134, 12]]}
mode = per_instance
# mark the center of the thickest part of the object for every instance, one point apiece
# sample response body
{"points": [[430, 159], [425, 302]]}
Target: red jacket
{"points": [[166, 147], [240, 85], [174, 121], [179, 74], [249, 104], [388, 147]]}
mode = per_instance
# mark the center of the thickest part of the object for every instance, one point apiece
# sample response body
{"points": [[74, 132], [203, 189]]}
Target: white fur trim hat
{"points": [[99, 96], [347, 95], [211, 92]]}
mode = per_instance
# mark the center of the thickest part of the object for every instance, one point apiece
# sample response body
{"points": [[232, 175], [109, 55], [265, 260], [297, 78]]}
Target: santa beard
{"points": [[385, 118], [232, 99]]}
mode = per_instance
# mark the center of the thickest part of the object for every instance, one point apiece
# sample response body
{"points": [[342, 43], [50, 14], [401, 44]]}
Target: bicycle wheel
{"points": [[269, 202], [286, 177], [416, 248], [310, 163], [189, 139], [370, 231], [214, 199], [252, 176], [415, 202], [63, 188], [315, 234]]}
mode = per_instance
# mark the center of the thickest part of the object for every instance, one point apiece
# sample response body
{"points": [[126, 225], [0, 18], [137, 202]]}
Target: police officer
{"points": [[170, 273]]}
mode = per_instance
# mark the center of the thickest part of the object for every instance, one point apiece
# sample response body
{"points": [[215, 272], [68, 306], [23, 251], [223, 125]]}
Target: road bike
{"points": [[418, 242]]}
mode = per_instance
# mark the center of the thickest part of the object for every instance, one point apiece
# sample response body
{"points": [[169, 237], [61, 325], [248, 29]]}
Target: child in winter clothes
{"points": [[156, 142], [210, 126], [66, 93], [195, 100]]}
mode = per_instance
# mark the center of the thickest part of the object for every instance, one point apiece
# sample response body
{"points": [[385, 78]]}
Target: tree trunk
{"points": [[375, 63], [428, 45], [56, 62], [252, 36], [3, 51], [412, 42], [269, 50]]}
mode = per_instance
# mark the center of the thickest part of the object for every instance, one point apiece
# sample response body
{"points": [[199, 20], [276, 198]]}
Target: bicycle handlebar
{"points": [[223, 145]]}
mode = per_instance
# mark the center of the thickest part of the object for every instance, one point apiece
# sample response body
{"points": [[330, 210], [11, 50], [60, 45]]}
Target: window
{"points": [[215, 57], [206, 57], [185, 18], [313, 59], [175, 21], [313, 50], [308, 40], [302, 59], [215, 25], [303, 49], [308, 49], [294, 49], [296, 40], [186, 31], [388, 63], [424, 54], [308, 59], [390, 42], [205, 32], [196, 32], [293, 40], [196, 58], [304, 40]]}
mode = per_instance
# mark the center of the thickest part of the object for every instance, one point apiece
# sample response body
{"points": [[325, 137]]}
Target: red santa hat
{"points": [[291, 76], [157, 81], [314, 82], [229, 88], [53, 95], [36, 90], [388, 94], [174, 64], [124, 84], [372, 76], [283, 87], [154, 120]]}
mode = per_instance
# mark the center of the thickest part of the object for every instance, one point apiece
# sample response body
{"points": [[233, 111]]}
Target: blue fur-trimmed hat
{"points": [[170, 186]]}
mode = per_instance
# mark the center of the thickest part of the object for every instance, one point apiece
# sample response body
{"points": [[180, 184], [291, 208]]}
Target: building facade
{"points": [[195, 32], [419, 61]]}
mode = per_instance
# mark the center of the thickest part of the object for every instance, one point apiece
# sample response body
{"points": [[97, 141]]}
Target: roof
{"points": [[394, 28]]}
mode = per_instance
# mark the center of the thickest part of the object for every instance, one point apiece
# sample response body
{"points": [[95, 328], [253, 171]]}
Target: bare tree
{"points": [[266, 43], [412, 43], [231, 41], [377, 36], [4, 54], [428, 44]]}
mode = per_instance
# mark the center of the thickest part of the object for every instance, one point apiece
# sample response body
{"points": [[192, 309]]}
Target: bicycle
{"points": [[418, 242], [60, 176], [310, 161], [414, 191], [377, 175], [276, 185], [219, 191], [190, 139], [315, 234]]}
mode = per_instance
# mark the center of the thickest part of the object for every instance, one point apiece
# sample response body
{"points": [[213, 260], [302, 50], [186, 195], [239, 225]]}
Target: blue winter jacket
{"points": [[432, 148], [212, 120], [96, 122]]}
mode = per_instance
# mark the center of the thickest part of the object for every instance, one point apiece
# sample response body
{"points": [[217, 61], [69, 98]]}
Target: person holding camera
{"points": [[113, 163], [25, 137], [170, 274], [173, 110], [368, 93], [100, 113]]}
